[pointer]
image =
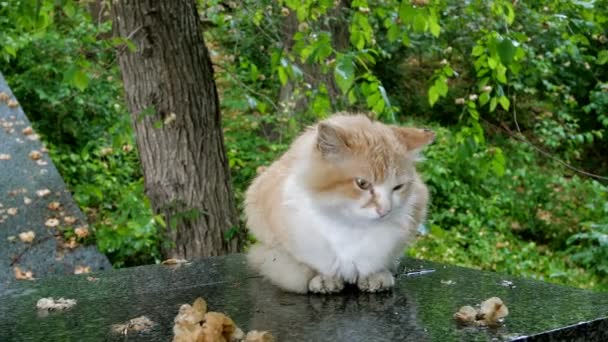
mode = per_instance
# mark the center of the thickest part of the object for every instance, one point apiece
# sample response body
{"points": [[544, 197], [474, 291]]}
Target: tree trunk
{"points": [[99, 10], [337, 25], [170, 91]]}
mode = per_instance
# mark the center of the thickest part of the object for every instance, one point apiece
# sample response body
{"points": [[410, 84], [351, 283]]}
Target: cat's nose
{"points": [[382, 211]]}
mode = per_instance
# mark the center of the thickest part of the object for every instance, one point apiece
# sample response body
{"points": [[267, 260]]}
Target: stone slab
{"points": [[420, 307], [21, 209]]}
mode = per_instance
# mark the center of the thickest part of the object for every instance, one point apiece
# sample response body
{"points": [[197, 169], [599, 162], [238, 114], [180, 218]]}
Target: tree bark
{"points": [[98, 10], [337, 25], [171, 93]]}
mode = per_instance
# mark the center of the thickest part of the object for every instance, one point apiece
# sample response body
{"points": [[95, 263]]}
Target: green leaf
{"points": [[405, 39], [344, 73], [498, 162], [11, 50], [323, 48], [81, 80], [492, 63], [257, 17], [602, 57], [448, 71], [433, 95], [282, 75], [438, 89], [77, 77], [484, 81], [357, 39], [434, 25], [393, 33], [437, 231], [478, 50], [510, 15], [493, 104], [420, 22], [321, 103], [68, 9], [504, 102], [301, 13], [352, 97], [407, 12], [474, 113], [506, 51], [501, 74], [484, 98]]}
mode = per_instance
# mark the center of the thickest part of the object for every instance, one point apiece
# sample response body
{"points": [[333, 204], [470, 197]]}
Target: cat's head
{"points": [[362, 169]]}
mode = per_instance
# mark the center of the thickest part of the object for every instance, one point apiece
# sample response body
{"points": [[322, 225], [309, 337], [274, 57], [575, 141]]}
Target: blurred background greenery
{"points": [[517, 92]]}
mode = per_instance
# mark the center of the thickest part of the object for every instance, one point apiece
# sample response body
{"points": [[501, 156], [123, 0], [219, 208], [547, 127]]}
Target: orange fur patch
{"points": [[367, 149]]}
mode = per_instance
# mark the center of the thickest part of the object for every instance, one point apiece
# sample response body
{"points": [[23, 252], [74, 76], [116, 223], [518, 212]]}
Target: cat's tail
{"points": [[280, 268]]}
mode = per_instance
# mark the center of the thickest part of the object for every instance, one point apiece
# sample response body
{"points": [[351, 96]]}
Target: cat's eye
{"points": [[362, 183], [402, 186]]}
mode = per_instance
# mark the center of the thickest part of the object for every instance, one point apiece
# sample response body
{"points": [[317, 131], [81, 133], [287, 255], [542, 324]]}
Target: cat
{"points": [[339, 206]]}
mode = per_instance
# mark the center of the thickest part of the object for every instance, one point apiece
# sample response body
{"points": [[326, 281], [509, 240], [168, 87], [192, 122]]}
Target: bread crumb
{"points": [[70, 243], [259, 336], [174, 261], [43, 192], [27, 237], [35, 155], [138, 324], [55, 304], [27, 131], [81, 232], [217, 327], [467, 315], [33, 137], [21, 275], [54, 206], [52, 222], [12, 103], [82, 269], [69, 220], [491, 312], [194, 323]]}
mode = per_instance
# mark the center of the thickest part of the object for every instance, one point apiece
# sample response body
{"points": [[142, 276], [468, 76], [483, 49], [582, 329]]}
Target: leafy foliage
{"points": [[67, 81], [478, 67], [521, 223], [498, 80]]}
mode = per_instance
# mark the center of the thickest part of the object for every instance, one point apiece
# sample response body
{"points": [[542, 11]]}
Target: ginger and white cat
{"points": [[339, 206]]}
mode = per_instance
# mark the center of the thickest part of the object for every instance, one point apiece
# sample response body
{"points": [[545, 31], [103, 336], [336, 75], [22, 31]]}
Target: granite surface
{"points": [[420, 307], [22, 209]]}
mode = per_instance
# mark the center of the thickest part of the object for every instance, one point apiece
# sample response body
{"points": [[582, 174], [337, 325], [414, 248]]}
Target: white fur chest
{"points": [[335, 246]]}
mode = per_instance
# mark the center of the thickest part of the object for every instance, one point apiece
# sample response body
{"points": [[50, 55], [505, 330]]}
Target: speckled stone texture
{"points": [[21, 209], [420, 307]]}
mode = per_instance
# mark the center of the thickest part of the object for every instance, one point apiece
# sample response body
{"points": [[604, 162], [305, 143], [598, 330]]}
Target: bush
{"points": [[68, 83], [467, 68], [521, 220]]}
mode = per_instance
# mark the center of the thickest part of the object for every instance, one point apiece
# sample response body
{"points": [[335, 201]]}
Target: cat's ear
{"points": [[331, 140], [414, 138]]}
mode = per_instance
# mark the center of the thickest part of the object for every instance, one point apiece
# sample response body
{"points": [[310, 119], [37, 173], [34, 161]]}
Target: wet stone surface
{"points": [[29, 183], [420, 307]]}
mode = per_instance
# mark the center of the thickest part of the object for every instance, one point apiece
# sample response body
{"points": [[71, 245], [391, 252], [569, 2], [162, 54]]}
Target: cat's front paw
{"points": [[377, 282], [325, 284]]}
